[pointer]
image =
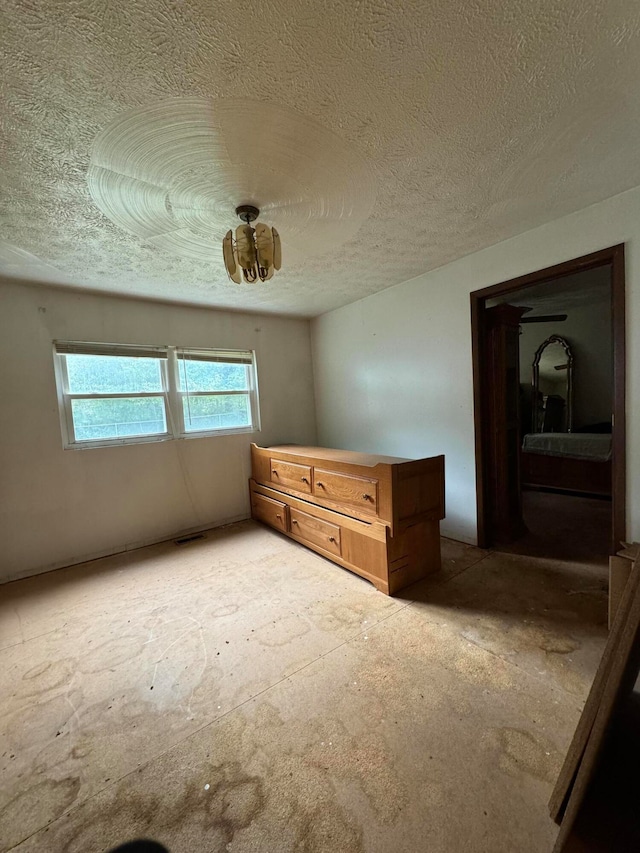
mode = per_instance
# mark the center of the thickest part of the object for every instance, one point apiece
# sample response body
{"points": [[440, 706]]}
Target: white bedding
{"points": [[575, 445]]}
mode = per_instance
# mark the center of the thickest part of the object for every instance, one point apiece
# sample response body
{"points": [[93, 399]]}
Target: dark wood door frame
{"points": [[613, 257]]}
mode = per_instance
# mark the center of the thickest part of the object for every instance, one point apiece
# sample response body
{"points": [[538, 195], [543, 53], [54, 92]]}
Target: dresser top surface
{"points": [[368, 460]]}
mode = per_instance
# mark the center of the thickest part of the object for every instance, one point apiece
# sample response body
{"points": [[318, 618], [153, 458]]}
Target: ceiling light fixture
{"points": [[255, 252]]}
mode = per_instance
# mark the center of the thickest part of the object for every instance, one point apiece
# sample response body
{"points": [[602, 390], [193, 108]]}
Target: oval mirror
{"points": [[552, 385]]}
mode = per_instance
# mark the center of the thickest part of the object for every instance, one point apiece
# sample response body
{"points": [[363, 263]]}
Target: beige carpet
{"points": [[240, 693]]}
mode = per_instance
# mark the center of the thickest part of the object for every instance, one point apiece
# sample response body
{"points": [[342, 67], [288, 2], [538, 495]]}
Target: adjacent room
{"points": [[318, 421], [562, 331]]}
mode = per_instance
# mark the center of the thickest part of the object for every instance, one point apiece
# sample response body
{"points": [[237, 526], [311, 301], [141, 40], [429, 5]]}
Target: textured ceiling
{"points": [[388, 137], [174, 173]]}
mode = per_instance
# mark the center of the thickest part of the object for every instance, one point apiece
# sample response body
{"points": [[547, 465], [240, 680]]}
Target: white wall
{"points": [[393, 372], [63, 506]]}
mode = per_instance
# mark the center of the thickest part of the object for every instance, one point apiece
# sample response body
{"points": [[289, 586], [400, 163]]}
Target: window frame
{"points": [[251, 392], [171, 394]]}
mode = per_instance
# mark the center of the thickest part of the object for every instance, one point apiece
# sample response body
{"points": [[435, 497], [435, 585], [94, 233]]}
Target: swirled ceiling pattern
{"points": [[173, 174], [384, 139]]}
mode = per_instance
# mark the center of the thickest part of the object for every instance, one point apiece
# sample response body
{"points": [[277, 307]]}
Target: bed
{"points": [[568, 461]]}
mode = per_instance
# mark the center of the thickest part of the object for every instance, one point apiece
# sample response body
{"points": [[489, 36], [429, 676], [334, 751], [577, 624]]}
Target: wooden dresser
{"points": [[378, 516]]}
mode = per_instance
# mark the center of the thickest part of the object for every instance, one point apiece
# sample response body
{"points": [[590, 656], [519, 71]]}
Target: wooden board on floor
{"points": [[565, 781], [614, 681], [578, 744], [619, 571], [630, 550], [608, 818]]}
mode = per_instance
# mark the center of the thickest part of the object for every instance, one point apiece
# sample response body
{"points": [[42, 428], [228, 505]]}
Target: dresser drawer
{"points": [[322, 533], [360, 492], [270, 511], [291, 475]]}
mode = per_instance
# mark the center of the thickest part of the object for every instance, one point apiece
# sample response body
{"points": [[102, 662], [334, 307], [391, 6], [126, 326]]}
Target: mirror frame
{"points": [[535, 379]]}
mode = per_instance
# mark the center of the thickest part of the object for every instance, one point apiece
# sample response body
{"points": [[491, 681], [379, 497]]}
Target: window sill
{"points": [[155, 439]]}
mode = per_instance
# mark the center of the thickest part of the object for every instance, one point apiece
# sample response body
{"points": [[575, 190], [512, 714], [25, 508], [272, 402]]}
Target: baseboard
{"points": [[110, 552]]}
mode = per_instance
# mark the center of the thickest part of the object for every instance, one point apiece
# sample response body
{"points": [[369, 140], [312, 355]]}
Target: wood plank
{"points": [[608, 819], [629, 551], [619, 571], [623, 663], [581, 735]]}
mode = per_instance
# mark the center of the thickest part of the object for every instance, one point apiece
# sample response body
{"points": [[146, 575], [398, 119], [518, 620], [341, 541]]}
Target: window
{"points": [[113, 394], [215, 390]]}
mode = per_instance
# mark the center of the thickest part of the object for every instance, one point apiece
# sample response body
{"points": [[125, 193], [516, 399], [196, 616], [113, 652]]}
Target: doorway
{"points": [[540, 441]]}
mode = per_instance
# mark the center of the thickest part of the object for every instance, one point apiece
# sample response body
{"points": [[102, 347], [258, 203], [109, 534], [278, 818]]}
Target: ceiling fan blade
{"points": [[545, 318]]}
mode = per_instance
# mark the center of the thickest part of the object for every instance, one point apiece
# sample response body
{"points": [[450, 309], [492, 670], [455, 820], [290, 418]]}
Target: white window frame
{"points": [[177, 394], [171, 393]]}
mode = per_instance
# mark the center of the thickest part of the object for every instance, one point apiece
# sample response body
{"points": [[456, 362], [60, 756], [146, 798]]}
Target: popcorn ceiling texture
{"points": [[458, 125]]}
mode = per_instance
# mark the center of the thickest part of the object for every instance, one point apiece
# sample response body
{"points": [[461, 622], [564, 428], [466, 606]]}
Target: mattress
{"points": [[575, 445]]}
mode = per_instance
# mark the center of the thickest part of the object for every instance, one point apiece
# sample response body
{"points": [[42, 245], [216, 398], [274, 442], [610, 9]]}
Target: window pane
{"points": [[211, 376], [112, 374], [219, 412], [118, 417]]}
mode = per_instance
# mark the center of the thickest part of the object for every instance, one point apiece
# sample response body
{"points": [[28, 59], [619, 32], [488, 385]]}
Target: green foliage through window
{"points": [[118, 417], [112, 374], [211, 376], [219, 412], [115, 396]]}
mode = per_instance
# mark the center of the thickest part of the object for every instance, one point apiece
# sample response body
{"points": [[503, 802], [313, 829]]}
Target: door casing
{"points": [[613, 257]]}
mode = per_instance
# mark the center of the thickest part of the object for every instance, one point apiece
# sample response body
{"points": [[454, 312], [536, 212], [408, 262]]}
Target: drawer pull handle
{"points": [[367, 497], [279, 516], [332, 539], [293, 521], [304, 479], [319, 485], [273, 471]]}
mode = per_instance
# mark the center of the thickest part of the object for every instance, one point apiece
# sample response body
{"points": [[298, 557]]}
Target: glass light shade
{"points": [[254, 254]]}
